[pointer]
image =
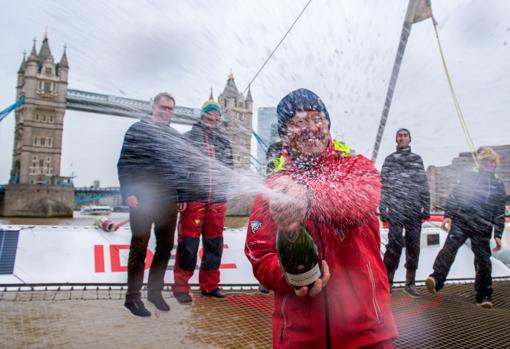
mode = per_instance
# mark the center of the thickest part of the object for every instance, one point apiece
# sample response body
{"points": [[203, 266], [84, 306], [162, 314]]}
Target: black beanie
{"points": [[298, 100], [403, 129]]}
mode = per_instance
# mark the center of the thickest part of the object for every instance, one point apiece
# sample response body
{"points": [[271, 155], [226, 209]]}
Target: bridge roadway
{"points": [[126, 107], [83, 195]]}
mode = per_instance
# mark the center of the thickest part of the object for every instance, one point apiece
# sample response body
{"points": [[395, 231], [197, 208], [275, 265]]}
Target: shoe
{"points": [[158, 301], [137, 308], [431, 284], [391, 275], [411, 291], [486, 303], [216, 293], [183, 297]]}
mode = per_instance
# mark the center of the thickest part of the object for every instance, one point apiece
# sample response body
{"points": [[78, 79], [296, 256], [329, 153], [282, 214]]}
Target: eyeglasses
{"points": [[318, 120], [164, 107]]}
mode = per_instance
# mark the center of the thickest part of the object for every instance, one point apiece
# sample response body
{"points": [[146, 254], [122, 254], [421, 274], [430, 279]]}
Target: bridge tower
{"points": [[239, 111], [39, 126], [40, 120]]}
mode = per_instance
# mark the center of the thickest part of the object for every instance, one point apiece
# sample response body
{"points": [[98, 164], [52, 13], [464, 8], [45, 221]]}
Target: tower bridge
{"points": [[93, 102], [36, 187]]}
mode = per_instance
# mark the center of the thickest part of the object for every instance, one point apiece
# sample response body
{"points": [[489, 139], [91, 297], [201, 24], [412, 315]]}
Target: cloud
{"points": [[343, 50]]}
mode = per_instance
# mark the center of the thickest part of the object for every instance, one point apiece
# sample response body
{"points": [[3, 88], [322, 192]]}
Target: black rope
{"points": [[277, 46]]}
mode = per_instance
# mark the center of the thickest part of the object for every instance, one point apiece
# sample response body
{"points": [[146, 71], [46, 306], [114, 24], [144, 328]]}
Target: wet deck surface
{"points": [[97, 319]]}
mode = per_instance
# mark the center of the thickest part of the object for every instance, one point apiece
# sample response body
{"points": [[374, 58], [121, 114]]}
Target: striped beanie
{"points": [[208, 105]]}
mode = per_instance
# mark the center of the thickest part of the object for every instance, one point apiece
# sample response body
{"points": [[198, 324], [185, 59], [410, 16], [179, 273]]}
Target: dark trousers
{"points": [[480, 245], [164, 217], [412, 226]]}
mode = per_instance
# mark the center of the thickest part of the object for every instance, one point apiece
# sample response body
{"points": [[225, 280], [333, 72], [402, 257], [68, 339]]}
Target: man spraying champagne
{"points": [[318, 185]]}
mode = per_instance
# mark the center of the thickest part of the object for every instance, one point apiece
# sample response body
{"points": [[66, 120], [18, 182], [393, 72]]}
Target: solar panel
{"points": [[8, 247]]}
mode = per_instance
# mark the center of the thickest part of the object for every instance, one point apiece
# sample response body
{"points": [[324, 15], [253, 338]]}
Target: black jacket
{"points": [[208, 167], [149, 163], [405, 190], [477, 203]]}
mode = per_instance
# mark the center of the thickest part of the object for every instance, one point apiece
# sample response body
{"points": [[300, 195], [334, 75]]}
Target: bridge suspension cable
{"points": [[277, 46], [10, 108]]}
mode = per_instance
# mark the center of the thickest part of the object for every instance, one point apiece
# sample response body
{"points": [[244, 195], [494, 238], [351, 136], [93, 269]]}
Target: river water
{"points": [[87, 220]]}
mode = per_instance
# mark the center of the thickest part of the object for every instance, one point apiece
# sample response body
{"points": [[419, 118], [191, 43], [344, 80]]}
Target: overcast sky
{"points": [[342, 50]]}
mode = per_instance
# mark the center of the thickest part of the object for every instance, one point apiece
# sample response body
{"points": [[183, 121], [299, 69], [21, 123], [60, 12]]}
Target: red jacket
{"points": [[354, 310]]}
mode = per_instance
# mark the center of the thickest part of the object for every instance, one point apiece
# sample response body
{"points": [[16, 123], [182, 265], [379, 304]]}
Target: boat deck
{"points": [[88, 318]]}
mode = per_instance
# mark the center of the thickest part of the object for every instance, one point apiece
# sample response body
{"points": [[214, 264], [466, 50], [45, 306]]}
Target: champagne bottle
{"points": [[105, 224], [298, 257]]}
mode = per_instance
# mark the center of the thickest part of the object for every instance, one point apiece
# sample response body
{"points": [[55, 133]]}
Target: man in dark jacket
{"points": [[474, 209], [149, 180], [405, 200], [202, 205]]}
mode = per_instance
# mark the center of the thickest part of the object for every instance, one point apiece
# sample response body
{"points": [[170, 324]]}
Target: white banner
{"points": [[80, 254], [71, 254]]}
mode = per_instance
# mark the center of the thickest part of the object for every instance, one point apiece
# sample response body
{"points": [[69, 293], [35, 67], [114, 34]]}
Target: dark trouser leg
{"points": [[394, 247], [412, 238], [191, 223], [446, 256], [164, 229], [483, 266], [140, 220], [209, 277]]}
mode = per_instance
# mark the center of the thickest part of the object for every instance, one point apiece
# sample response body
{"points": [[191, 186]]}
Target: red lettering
{"points": [[228, 266], [115, 258], [148, 259], [99, 258]]}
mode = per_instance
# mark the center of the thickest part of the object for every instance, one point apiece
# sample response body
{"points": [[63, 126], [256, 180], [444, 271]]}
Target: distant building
{"points": [[442, 179], [239, 114], [267, 129]]}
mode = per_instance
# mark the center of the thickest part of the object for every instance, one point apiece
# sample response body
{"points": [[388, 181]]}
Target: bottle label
{"points": [[305, 278]]}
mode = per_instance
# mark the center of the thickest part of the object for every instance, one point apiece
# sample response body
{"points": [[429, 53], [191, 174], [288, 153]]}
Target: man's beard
{"points": [[308, 145]]}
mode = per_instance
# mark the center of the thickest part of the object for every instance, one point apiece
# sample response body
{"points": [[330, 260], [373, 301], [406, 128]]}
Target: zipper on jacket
{"points": [[210, 156], [282, 309], [377, 310], [324, 291]]}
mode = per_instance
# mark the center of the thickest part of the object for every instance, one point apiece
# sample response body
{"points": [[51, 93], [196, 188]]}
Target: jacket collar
{"points": [[404, 150]]}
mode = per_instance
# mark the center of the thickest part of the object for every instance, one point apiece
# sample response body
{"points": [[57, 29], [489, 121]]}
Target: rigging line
{"points": [[277, 46], [255, 159], [260, 140], [456, 103]]}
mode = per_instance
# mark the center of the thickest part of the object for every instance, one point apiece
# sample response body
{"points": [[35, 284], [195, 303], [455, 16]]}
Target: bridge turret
{"points": [[239, 122], [32, 64], [21, 75], [249, 100], [230, 96], [63, 67]]}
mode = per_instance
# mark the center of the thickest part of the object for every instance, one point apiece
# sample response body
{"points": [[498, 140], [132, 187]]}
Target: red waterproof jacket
{"points": [[354, 309]]}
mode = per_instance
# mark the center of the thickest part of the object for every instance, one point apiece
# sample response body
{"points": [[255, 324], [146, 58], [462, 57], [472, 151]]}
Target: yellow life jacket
{"points": [[342, 149]]}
